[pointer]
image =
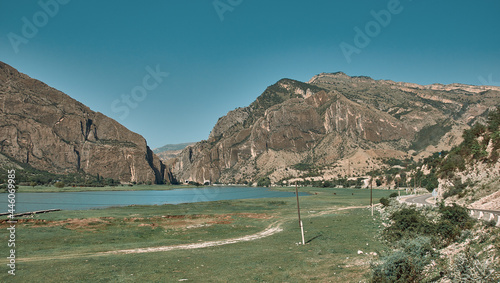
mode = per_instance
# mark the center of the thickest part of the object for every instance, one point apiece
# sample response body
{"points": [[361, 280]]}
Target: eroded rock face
{"points": [[49, 130], [328, 120]]}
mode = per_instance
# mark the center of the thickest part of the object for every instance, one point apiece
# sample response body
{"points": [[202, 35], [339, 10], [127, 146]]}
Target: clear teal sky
{"points": [[222, 57]]}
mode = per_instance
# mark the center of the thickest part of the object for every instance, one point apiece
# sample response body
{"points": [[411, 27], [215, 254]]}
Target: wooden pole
{"points": [[298, 211], [371, 192]]}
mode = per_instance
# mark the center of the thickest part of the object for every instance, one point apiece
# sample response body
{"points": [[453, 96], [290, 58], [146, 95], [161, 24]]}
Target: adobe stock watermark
{"points": [[205, 194], [363, 37], [150, 81], [30, 27], [11, 199], [223, 6], [488, 81]]}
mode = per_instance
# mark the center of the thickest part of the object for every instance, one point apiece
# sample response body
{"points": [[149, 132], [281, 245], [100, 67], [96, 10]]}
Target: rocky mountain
{"points": [[334, 125], [49, 130], [169, 151]]}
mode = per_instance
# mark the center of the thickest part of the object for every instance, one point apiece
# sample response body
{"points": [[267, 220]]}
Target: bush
{"points": [[468, 268], [407, 263], [263, 182], [448, 232], [458, 189], [393, 195], [385, 202], [408, 223], [457, 215], [59, 185]]}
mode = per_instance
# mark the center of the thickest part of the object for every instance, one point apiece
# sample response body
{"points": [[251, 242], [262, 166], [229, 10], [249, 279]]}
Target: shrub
{"points": [[385, 202], [407, 263], [408, 223], [264, 182], [458, 189], [59, 185], [467, 267], [456, 214], [393, 195], [448, 232]]}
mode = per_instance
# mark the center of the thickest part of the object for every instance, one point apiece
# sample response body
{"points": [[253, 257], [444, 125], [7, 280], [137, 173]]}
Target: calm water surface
{"points": [[87, 200]]}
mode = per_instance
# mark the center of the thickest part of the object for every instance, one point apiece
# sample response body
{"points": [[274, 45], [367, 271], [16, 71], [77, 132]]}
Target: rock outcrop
{"points": [[339, 124], [49, 130]]}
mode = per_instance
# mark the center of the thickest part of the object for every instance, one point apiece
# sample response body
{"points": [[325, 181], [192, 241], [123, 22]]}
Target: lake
{"points": [[87, 200]]}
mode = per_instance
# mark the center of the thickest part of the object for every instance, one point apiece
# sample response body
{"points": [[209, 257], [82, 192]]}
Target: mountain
{"points": [[333, 125], [48, 130], [169, 151]]}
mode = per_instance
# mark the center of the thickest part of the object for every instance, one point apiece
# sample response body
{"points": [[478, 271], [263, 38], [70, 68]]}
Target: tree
{"points": [[264, 182], [59, 185]]}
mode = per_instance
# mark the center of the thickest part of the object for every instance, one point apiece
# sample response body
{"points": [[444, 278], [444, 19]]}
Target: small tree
{"points": [[59, 185], [264, 182]]}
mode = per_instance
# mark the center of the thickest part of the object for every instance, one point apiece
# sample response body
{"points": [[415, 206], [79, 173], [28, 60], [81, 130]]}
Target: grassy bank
{"points": [[334, 236]]}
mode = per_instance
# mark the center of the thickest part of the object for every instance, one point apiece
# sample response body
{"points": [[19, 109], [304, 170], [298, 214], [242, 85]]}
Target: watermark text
{"points": [[11, 242]]}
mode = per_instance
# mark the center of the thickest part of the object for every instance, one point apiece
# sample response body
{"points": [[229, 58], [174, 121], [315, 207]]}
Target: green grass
{"points": [[331, 254]]}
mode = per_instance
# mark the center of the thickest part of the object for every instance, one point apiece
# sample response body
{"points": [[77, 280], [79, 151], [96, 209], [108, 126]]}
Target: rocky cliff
{"points": [[49, 130], [335, 124]]}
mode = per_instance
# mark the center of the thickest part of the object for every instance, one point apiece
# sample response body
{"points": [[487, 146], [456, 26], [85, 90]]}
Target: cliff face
{"points": [[51, 131], [336, 122]]}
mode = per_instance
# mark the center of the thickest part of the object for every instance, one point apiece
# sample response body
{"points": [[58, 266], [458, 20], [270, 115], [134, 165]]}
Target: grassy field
{"points": [[64, 246]]}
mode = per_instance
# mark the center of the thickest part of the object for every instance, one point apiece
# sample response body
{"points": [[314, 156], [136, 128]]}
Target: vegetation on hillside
{"points": [[419, 237], [29, 176]]}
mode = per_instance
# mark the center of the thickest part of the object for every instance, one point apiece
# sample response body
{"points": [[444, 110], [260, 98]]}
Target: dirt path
{"points": [[272, 229]]}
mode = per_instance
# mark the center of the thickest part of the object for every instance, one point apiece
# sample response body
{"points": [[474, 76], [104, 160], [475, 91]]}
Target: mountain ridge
{"points": [[51, 131], [328, 120]]}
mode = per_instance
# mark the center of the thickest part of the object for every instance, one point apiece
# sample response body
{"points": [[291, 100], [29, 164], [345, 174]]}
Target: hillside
{"points": [[470, 172], [46, 129], [334, 125]]}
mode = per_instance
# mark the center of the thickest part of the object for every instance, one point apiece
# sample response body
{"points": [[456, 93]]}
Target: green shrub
{"points": [[408, 223], [385, 202], [407, 263], [448, 232], [468, 268], [393, 195], [458, 215], [59, 185], [263, 182]]}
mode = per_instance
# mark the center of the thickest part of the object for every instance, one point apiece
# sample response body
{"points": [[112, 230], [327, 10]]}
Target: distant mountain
{"points": [[48, 130], [334, 125], [170, 150], [171, 147]]}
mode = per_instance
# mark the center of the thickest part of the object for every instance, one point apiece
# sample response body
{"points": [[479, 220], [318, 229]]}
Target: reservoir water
{"points": [[88, 200]]}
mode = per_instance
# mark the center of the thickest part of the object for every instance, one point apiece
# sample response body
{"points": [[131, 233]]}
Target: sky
{"points": [[169, 69]]}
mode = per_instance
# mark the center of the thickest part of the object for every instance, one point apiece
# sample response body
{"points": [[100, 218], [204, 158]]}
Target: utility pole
{"points": [[298, 211], [371, 192]]}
